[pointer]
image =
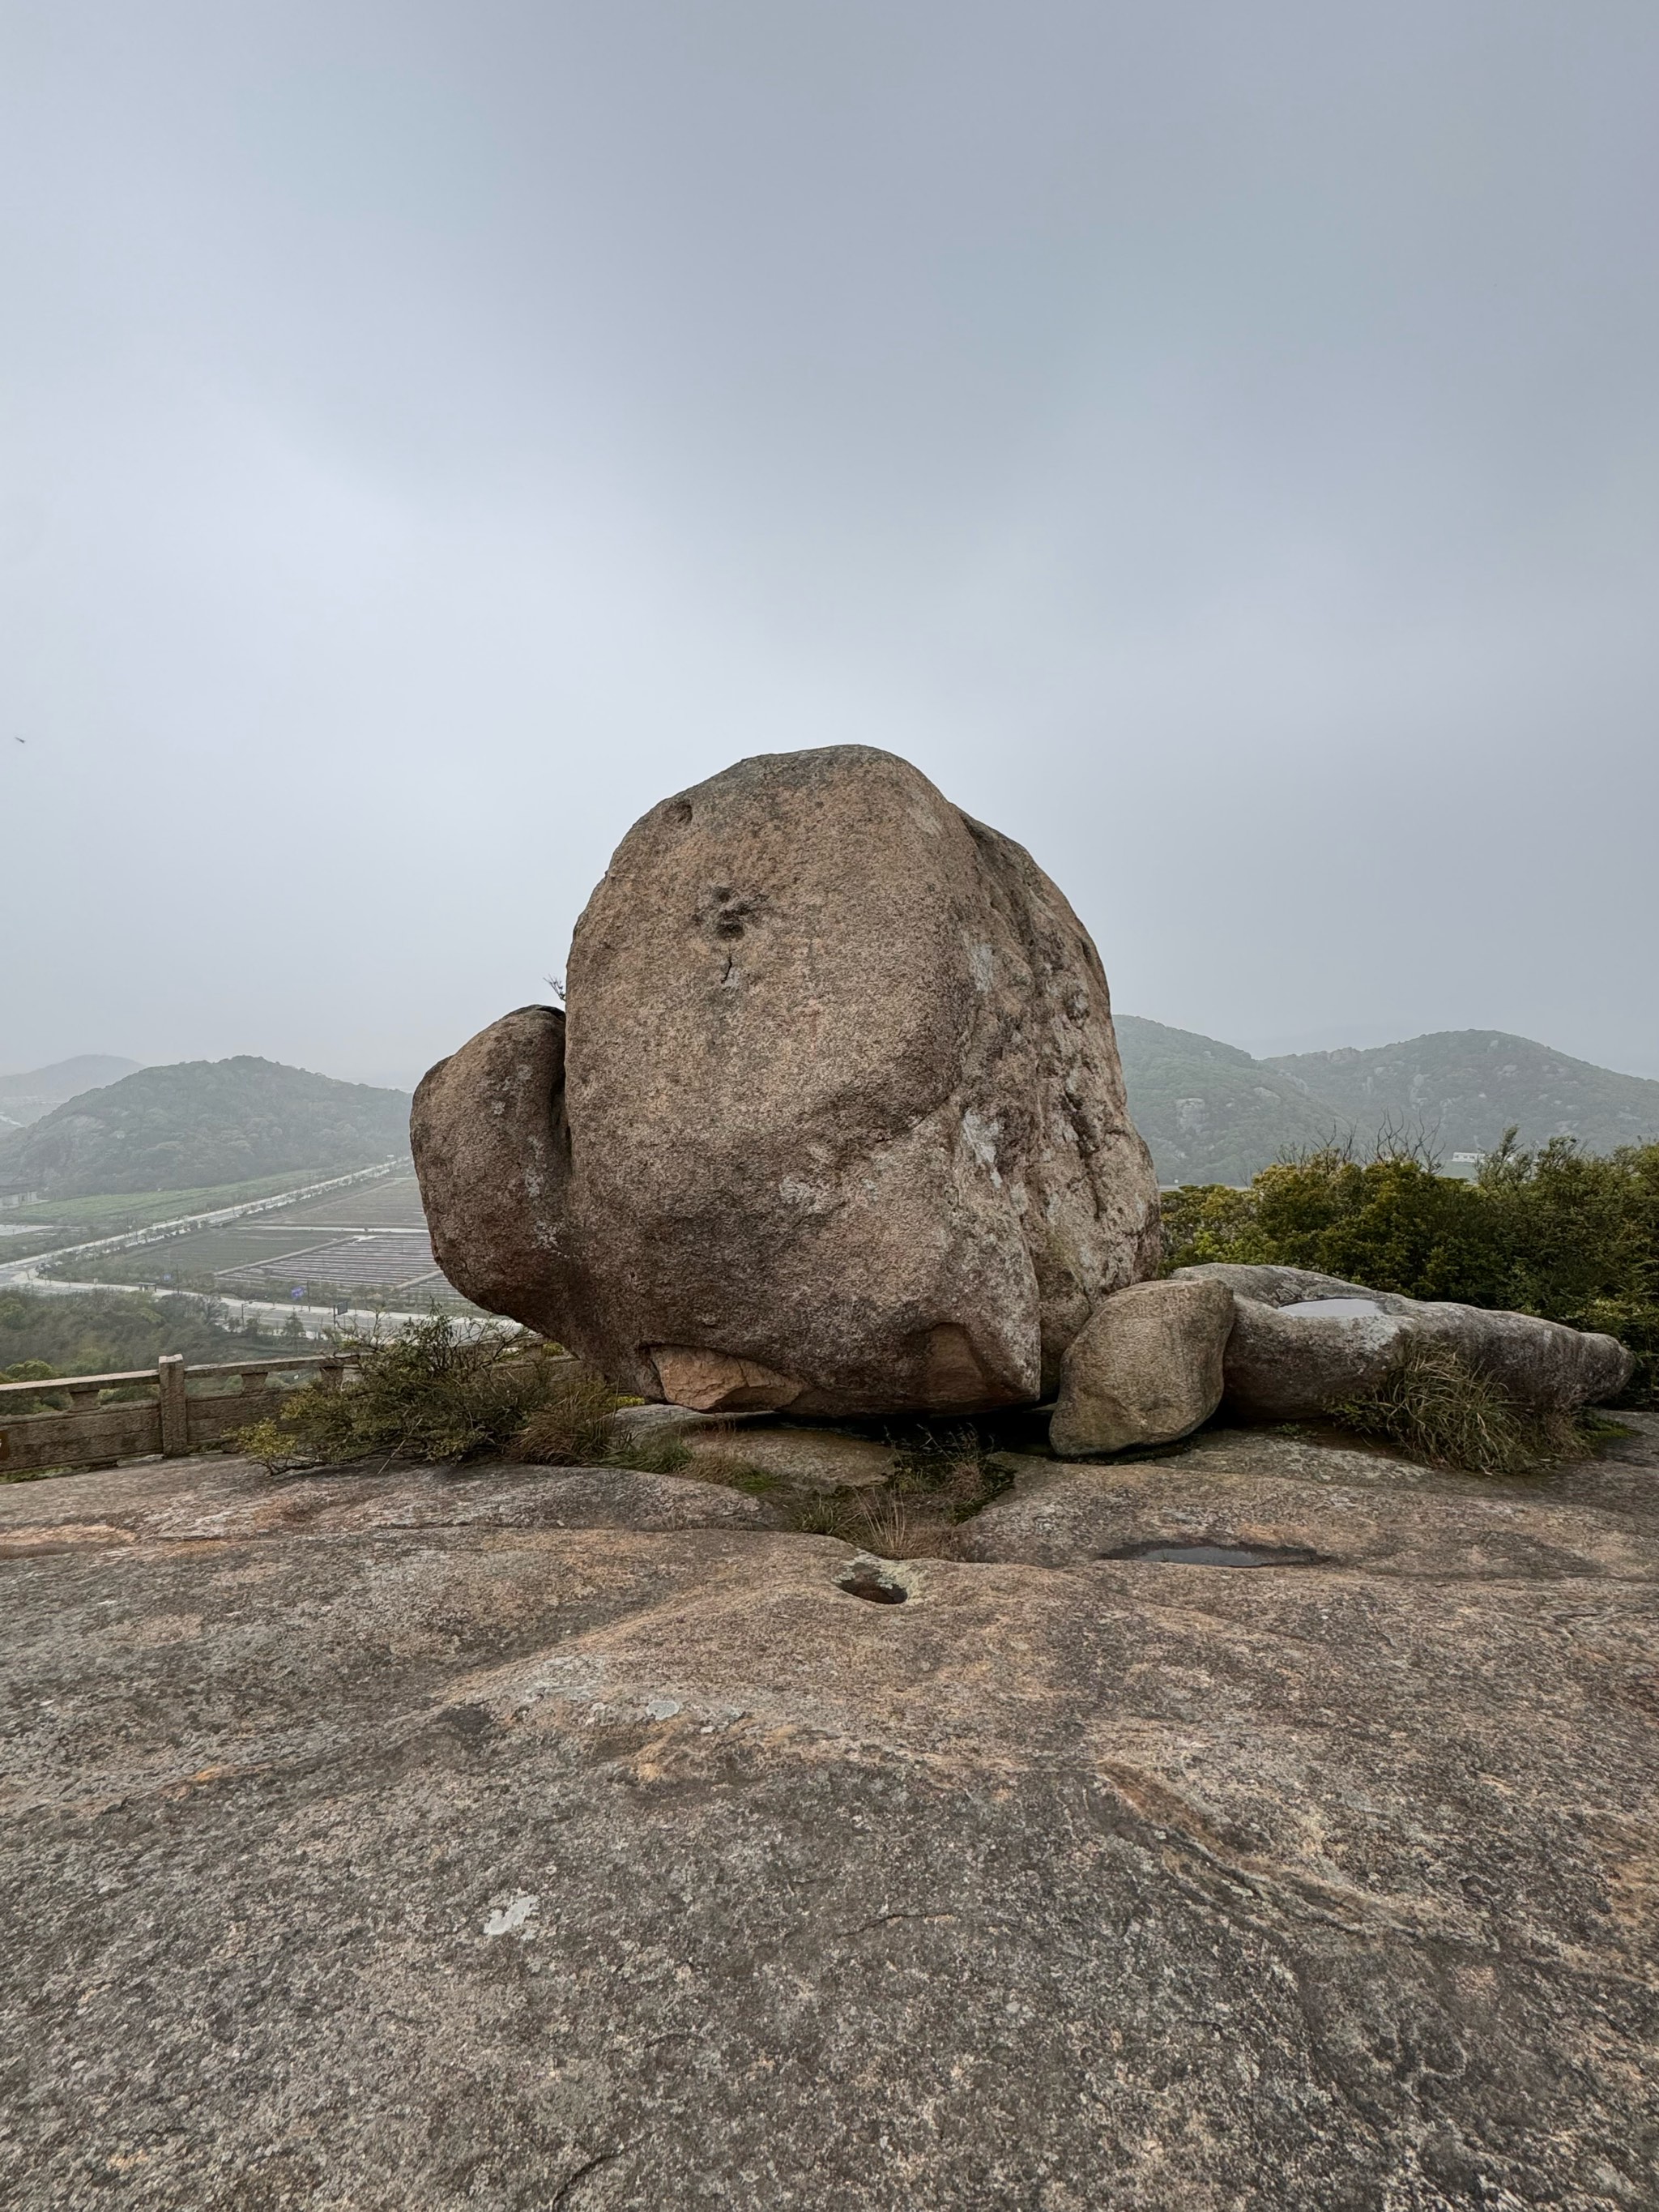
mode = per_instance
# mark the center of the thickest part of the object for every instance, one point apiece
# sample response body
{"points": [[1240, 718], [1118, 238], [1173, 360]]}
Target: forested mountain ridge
{"points": [[203, 1123], [1465, 1087], [1211, 1113]]}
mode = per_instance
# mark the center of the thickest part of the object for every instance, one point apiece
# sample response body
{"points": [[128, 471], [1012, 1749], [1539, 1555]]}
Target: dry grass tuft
{"points": [[569, 1427], [1435, 1405], [893, 1528]]}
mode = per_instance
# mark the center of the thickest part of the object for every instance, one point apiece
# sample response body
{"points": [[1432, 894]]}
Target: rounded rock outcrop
{"points": [[1303, 1343], [1144, 1369], [835, 1121]]}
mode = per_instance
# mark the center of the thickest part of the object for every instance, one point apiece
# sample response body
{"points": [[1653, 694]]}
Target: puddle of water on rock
{"points": [[1218, 1555], [1334, 1309], [868, 1583]]}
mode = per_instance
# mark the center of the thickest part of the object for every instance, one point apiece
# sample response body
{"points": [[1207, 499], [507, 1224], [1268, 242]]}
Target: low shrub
{"points": [[1435, 1406], [431, 1394], [428, 1394]]}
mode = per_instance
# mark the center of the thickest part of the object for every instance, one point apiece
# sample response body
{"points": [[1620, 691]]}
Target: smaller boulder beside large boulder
{"points": [[1301, 1344], [1145, 1368]]}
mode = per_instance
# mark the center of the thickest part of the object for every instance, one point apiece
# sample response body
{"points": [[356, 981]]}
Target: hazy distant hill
{"points": [[1210, 1113], [203, 1123], [1213, 1114], [26, 1097], [1463, 1088]]}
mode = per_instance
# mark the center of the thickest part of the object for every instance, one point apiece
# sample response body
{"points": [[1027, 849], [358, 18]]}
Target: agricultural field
{"points": [[367, 1244], [363, 1245], [21, 1241], [193, 1261], [392, 1203], [74, 1219], [387, 1260]]}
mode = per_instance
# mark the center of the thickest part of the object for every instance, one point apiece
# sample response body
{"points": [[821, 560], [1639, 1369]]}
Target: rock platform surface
{"points": [[514, 1838]]}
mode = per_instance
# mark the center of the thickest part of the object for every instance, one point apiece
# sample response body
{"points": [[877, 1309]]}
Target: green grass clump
{"points": [[650, 1455], [1557, 1232], [1435, 1406], [722, 1466], [882, 1520]]}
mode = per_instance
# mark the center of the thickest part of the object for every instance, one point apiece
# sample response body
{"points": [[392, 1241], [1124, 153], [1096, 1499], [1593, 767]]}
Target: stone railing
{"points": [[172, 1408]]}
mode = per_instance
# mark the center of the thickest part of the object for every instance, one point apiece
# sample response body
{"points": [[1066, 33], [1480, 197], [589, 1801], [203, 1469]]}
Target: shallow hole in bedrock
{"points": [[1159, 1553], [865, 1582]]}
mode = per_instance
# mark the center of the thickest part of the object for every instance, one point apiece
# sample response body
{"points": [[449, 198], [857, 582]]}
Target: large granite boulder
{"points": [[1144, 1369], [834, 1122], [417, 1841], [1301, 1343]]}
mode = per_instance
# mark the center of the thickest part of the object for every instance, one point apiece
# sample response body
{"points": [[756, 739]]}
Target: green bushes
{"points": [[31, 1370], [432, 1395], [1557, 1232], [427, 1394], [107, 1332]]}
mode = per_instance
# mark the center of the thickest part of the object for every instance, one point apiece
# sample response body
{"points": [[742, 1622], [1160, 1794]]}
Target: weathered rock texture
{"points": [[1144, 1369], [836, 1122], [384, 1844], [803, 1458], [1294, 1366], [493, 1152]]}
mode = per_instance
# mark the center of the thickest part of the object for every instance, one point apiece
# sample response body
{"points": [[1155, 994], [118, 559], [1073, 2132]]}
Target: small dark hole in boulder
{"points": [[1218, 1555], [865, 1582]]}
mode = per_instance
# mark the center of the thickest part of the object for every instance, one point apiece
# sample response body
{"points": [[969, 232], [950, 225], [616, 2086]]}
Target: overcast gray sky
{"points": [[1219, 444]]}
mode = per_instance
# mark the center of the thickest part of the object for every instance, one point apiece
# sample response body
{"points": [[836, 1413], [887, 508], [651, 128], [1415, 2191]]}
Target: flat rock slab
{"points": [[1352, 1509], [403, 1848], [809, 1458], [159, 1501]]}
